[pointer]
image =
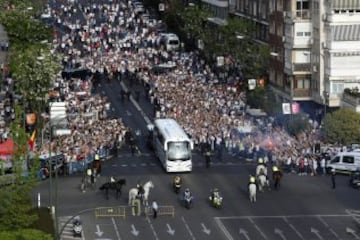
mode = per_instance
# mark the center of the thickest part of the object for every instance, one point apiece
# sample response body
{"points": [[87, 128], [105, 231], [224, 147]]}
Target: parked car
{"points": [[345, 162]]}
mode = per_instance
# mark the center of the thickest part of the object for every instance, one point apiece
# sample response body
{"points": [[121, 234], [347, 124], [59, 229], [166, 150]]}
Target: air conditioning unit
{"points": [[314, 68]]}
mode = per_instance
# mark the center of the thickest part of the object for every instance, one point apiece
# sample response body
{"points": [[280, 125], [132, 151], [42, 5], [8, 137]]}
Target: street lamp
{"points": [[57, 113]]}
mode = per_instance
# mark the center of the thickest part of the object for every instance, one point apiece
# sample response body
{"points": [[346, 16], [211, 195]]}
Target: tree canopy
{"points": [[342, 126]]}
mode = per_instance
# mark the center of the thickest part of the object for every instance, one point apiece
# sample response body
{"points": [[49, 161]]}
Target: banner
{"points": [[252, 84], [286, 108]]}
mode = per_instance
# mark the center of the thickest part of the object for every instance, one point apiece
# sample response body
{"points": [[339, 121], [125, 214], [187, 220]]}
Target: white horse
{"points": [[261, 169], [252, 192], [133, 193], [262, 182]]}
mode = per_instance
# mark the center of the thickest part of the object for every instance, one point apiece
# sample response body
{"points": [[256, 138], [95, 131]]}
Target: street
{"points": [[305, 207]]}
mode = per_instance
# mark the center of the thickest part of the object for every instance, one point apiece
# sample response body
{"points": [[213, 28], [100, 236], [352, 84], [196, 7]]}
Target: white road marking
{"points": [[188, 229], [294, 229], [116, 229], [258, 228], [244, 233], [352, 232], [284, 216], [280, 233], [223, 228], [328, 227], [136, 105], [152, 228], [316, 232]]}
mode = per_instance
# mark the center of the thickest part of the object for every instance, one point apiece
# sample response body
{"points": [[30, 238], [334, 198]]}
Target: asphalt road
{"points": [[304, 208]]}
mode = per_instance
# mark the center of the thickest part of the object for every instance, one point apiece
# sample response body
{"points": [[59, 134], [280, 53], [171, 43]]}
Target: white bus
{"points": [[172, 145]]}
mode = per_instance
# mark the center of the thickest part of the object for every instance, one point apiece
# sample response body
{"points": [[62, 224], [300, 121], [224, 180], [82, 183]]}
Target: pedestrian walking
{"points": [[155, 208], [333, 180]]}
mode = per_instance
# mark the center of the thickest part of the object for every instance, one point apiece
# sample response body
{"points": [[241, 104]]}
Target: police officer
{"points": [[252, 180], [333, 178]]}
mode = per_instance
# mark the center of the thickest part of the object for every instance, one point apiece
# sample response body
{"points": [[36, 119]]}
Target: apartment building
{"points": [[315, 46]]}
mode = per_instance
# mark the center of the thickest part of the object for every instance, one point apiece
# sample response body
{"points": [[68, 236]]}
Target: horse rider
{"points": [[261, 165], [252, 180], [276, 173], [141, 190], [112, 179]]}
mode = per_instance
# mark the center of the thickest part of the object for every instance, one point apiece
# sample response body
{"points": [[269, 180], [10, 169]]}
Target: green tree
{"points": [[35, 69], [342, 126], [15, 201], [25, 234], [194, 19], [20, 23]]}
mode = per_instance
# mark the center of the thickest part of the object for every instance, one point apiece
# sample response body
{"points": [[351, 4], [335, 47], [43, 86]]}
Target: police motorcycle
{"points": [[177, 184], [354, 181], [77, 228], [215, 198], [188, 198]]}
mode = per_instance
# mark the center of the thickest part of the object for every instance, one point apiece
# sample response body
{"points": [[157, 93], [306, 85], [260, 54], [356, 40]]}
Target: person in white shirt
{"points": [[155, 208]]}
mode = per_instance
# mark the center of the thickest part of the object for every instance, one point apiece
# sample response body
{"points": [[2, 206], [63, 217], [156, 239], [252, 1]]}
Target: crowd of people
{"points": [[111, 39]]}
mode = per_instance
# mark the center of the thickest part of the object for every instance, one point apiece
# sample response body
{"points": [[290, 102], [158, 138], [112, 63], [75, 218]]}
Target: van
{"points": [[345, 162], [170, 41]]}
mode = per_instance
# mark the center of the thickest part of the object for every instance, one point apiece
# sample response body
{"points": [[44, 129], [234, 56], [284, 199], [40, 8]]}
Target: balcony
{"points": [[298, 15], [301, 67], [302, 93], [351, 99]]}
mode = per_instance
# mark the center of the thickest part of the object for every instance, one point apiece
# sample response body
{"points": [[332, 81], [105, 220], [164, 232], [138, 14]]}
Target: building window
{"points": [[307, 34], [302, 9], [272, 28], [299, 34], [302, 83], [337, 88], [280, 5], [272, 6]]}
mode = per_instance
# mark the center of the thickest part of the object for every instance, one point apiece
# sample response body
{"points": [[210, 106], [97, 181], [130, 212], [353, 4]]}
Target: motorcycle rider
{"points": [[214, 194], [77, 227], [187, 194], [177, 181]]}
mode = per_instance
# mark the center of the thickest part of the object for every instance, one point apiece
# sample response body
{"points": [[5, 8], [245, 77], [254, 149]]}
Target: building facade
{"points": [[315, 45]]}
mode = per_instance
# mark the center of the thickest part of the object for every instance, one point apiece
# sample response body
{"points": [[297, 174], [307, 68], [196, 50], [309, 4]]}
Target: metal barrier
{"points": [[162, 210], [119, 211]]}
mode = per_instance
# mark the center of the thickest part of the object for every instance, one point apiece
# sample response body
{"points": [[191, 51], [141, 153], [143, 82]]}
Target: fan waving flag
{"points": [[32, 140]]}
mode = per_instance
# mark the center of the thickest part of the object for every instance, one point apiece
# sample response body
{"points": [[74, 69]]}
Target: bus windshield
{"points": [[179, 151]]}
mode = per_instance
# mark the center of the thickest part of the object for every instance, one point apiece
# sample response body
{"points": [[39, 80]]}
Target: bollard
{"points": [[136, 207], [39, 205]]}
